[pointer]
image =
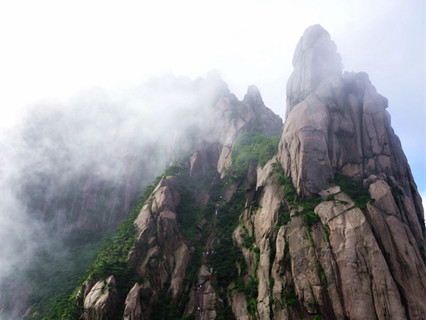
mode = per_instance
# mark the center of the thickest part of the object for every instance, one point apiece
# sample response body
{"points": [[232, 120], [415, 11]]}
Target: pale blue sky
{"points": [[53, 49]]}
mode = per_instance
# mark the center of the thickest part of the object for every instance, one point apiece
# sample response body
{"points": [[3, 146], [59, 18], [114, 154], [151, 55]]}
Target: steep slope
{"points": [[325, 223]]}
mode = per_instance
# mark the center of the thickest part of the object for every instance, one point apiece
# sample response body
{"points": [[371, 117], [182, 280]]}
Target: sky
{"points": [[53, 49]]}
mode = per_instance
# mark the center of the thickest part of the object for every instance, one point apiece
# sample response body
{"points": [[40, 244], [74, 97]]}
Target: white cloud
{"points": [[55, 48]]}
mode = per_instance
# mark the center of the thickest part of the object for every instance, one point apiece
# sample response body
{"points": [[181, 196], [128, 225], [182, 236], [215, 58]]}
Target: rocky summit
{"points": [[318, 218]]}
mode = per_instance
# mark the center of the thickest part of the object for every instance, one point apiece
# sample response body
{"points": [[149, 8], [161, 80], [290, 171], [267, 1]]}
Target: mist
{"points": [[75, 169]]}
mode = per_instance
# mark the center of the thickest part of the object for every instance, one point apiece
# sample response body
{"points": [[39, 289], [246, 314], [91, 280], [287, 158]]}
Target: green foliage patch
{"points": [[354, 189], [290, 298], [283, 217], [190, 213], [289, 191], [252, 148], [56, 280], [226, 254]]}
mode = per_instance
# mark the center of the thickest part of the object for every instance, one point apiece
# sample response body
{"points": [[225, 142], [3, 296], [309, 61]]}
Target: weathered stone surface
{"points": [[239, 306], [161, 253], [133, 308], [303, 147], [365, 279], [100, 302], [204, 301], [403, 258]]}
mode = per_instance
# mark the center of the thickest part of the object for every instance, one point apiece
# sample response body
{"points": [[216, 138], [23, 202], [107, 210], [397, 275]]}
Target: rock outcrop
{"points": [[101, 301], [133, 307], [161, 253], [233, 117]]}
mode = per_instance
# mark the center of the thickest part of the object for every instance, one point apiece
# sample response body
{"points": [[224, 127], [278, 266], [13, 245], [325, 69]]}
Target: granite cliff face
{"points": [[339, 124], [329, 226]]}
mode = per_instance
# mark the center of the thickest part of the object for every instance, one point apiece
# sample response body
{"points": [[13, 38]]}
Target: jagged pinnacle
{"points": [[314, 60]]}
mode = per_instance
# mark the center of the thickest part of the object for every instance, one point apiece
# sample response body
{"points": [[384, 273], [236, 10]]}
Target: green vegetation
{"points": [[283, 217], [396, 191], [322, 273], [251, 289], [252, 148], [271, 286], [190, 213], [254, 204], [289, 191], [225, 314], [58, 278], [354, 189], [251, 293], [290, 298], [164, 309], [247, 240], [308, 215], [226, 254]]}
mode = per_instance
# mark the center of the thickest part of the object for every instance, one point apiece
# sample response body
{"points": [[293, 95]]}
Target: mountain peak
{"points": [[315, 59], [253, 96]]}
